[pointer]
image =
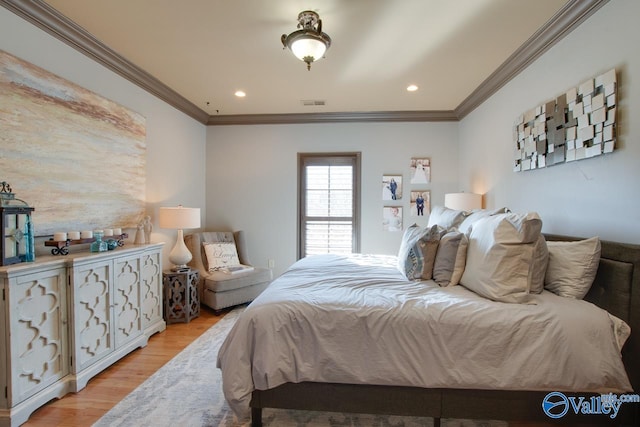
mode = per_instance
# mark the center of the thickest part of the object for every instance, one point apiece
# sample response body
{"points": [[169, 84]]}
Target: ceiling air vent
{"points": [[313, 102]]}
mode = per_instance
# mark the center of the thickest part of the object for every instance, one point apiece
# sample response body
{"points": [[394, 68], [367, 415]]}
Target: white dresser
{"points": [[64, 319]]}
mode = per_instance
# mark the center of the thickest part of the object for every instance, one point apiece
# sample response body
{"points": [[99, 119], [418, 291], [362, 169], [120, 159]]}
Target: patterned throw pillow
{"points": [[221, 255], [418, 252]]}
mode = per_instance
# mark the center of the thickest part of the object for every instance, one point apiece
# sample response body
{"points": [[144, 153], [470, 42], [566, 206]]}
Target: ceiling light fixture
{"points": [[412, 88], [240, 94], [309, 43]]}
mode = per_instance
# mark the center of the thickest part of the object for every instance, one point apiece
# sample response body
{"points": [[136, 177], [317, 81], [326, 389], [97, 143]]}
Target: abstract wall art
{"points": [[578, 124], [76, 157]]}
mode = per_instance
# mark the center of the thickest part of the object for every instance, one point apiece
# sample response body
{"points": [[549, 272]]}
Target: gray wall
{"points": [[597, 196], [252, 177], [175, 162]]}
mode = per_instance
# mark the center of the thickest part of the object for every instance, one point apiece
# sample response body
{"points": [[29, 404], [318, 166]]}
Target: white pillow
{"points": [[477, 214], [450, 258], [500, 256], [221, 255], [572, 267], [445, 217]]}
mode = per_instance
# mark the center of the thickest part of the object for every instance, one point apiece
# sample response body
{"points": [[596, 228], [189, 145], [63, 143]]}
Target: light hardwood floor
{"points": [[109, 387]]}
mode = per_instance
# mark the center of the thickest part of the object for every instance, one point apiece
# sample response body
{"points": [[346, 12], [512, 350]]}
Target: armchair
{"points": [[220, 290]]}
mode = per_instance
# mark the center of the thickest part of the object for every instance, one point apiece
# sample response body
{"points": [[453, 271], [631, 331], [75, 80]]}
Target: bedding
{"points": [[357, 320]]}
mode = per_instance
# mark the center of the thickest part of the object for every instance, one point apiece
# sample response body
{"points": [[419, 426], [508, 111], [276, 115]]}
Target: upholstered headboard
{"points": [[616, 289]]}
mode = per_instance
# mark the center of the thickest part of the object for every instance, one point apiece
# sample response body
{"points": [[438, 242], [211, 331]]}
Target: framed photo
{"points": [[392, 218], [420, 202], [391, 187], [420, 170]]}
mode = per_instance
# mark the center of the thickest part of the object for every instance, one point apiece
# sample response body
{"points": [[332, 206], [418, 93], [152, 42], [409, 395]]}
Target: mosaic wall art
{"points": [[578, 124], [76, 157]]}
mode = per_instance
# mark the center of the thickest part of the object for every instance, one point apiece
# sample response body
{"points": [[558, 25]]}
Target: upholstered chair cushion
{"points": [[218, 289]]}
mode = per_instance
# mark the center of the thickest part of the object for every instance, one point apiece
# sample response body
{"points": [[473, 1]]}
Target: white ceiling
{"points": [[205, 50]]}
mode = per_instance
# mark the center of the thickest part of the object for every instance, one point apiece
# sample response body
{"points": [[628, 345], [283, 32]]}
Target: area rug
{"points": [[187, 392]]}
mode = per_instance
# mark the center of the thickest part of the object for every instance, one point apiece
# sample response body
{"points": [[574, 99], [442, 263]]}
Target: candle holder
{"points": [[62, 248]]}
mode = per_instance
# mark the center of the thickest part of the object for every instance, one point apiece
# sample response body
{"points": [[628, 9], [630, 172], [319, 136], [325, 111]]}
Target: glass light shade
{"points": [[463, 201], [308, 47]]}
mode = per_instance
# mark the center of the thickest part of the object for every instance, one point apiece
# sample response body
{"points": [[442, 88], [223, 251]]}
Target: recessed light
{"points": [[240, 94], [412, 88]]}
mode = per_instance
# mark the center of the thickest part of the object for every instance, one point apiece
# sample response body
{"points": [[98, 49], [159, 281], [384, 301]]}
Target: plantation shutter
{"points": [[328, 204]]}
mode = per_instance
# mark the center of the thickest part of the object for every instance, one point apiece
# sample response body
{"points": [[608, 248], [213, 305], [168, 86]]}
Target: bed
{"points": [[250, 384]]}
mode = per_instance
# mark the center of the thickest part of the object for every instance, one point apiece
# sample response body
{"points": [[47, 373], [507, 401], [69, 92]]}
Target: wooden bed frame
{"points": [[616, 289]]}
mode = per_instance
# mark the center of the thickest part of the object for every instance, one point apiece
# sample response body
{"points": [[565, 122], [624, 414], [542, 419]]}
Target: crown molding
{"points": [[340, 117], [53, 22], [572, 14]]}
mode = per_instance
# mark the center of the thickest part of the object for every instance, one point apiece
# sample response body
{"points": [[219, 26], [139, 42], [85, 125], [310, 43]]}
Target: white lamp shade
{"points": [[463, 201], [308, 47], [179, 218]]}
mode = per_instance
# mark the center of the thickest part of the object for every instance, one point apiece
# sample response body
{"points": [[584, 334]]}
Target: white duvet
{"points": [[355, 319]]}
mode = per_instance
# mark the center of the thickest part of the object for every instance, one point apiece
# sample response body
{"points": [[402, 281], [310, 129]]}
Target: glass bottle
{"points": [[30, 250], [98, 245]]}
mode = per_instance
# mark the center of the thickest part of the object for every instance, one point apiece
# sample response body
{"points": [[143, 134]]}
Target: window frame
{"points": [[303, 160]]}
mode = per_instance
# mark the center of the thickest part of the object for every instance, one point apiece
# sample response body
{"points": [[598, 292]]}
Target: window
{"points": [[328, 203]]}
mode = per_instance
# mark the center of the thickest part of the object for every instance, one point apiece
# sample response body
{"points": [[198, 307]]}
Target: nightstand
{"points": [[181, 300]]}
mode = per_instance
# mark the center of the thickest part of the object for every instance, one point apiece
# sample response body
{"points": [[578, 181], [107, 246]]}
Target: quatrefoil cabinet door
{"points": [[128, 320], [39, 339], [92, 301]]}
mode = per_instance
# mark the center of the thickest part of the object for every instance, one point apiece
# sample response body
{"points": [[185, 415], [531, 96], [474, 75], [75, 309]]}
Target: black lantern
{"points": [[17, 244]]}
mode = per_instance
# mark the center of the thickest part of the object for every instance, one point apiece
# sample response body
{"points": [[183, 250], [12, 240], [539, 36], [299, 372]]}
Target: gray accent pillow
{"points": [[450, 258]]}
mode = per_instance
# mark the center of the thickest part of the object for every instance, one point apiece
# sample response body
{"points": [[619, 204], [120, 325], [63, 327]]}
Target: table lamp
{"points": [[179, 218], [463, 201]]}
